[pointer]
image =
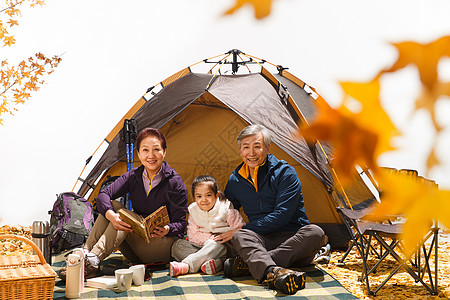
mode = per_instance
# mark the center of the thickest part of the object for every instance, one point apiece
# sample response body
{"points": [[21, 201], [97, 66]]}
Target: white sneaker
{"points": [[323, 256]]}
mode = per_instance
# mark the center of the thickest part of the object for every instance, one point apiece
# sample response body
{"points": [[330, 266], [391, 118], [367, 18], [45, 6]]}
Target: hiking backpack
{"points": [[71, 222], [105, 184]]}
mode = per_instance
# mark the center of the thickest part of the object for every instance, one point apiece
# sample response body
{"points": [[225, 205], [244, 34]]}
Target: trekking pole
{"points": [[133, 135], [126, 132], [127, 137]]}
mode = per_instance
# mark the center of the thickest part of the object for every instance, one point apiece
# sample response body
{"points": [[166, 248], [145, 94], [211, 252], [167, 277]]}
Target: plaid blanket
{"points": [[319, 285]]}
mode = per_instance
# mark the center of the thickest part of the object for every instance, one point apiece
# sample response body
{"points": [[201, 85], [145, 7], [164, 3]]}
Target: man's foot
{"points": [[285, 281], [212, 266], [235, 267], [178, 268], [90, 271], [323, 256]]}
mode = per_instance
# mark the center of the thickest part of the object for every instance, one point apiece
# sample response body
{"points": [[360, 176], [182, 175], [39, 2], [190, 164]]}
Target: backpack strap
{"points": [[58, 246]]}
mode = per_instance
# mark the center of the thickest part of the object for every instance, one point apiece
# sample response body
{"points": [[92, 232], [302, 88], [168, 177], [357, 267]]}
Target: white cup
{"points": [[138, 274], [124, 278]]}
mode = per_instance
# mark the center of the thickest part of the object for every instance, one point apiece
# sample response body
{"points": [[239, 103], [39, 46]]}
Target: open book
{"points": [[145, 226]]}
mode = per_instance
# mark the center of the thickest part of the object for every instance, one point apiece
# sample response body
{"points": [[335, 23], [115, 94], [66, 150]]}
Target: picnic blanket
{"points": [[319, 285]]}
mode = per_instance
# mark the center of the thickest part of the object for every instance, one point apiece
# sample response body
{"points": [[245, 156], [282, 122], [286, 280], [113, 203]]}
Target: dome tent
{"points": [[201, 114]]}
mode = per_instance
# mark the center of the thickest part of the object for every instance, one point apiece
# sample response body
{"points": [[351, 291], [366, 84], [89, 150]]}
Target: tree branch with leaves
{"points": [[19, 81]]}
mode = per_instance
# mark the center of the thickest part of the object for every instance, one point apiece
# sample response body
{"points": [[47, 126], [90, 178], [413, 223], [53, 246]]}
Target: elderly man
{"points": [[278, 234]]}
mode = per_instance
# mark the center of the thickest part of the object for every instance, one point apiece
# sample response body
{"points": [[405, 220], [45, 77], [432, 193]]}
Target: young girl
{"points": [[211, 214]]}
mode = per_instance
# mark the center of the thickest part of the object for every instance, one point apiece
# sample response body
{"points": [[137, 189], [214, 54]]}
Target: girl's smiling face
{"points": [[204, 196], [151, 154]]}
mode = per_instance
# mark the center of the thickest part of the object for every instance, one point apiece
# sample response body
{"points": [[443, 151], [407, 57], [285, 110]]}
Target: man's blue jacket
{"points": [[276, 204]]}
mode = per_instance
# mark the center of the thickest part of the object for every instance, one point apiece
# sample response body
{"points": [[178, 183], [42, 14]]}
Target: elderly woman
{"points": [[150, 186]]}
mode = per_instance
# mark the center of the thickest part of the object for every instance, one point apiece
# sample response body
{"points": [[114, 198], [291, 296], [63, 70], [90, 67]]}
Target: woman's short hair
{"points": [[251, 130], [146, 132]]}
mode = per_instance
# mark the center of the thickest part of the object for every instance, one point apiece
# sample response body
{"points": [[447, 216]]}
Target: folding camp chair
{"points": [[365, 232], [350, 218], [356, 214]]}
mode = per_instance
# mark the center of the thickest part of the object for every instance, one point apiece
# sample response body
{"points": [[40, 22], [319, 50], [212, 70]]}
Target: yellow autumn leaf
{"points": [[371, 116], [425, 56], [8, 40], [414, 198], [428, 98], [12, 22], [11, 11], [415, 228], [398, 192], [443, 207], [261, 7], [432, 160], [19, 81], [352, 143]]}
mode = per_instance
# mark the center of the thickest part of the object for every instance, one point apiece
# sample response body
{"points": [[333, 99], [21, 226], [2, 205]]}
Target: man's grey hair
{"points": [[251, 130]]}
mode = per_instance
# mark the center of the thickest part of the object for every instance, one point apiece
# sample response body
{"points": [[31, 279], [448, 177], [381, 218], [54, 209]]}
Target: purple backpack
{"points": [[71, 222]]}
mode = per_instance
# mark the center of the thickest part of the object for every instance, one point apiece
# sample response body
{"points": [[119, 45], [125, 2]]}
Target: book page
{"points": [[136, 224], [159, 218]]}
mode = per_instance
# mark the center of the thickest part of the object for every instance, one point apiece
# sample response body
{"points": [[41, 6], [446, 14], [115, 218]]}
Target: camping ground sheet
{"points": [[319, 285]]}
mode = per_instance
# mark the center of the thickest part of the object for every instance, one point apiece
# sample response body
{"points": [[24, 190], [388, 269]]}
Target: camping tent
{"points": [[201, 115]]}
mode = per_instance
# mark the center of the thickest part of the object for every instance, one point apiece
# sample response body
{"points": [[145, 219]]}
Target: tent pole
{"points": [[371, 178], [87, 161], [220, 61], [335, 175], [209, 83], [262, 60], [234, 65], [206, 60], [329, 164], [245, 64]]}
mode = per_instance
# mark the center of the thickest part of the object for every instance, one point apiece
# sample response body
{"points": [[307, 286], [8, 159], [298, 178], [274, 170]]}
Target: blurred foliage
{"points": [[360, 137], [261, 7]]}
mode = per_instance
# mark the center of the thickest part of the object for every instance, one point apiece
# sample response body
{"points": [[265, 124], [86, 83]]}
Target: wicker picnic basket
{"points": [[25, 276]]}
